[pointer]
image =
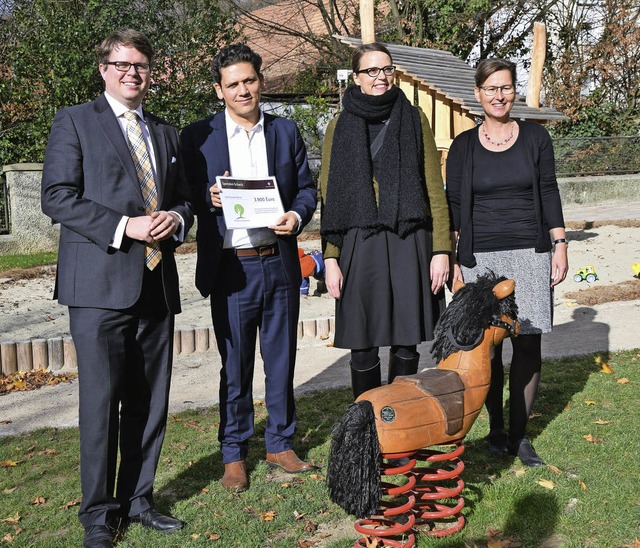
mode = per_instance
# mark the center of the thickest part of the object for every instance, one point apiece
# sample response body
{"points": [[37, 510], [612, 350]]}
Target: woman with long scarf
{"points": [[385, 222]]}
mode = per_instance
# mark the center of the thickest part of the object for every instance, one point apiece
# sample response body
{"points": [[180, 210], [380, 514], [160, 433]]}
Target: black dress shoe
{"points": [[152, 519], [98, 536], [497, 442], [526, 453]]}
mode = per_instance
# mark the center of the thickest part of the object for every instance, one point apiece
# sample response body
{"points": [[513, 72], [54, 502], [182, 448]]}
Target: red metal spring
{"points": [[396, 517], [431, 508]]}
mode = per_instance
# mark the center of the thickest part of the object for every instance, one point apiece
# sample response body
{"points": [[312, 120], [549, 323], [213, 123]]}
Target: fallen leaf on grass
{"points": [[601, 421], [554, 469], [47, 452], [38, 501], [268, 516], [583, 485], [306, 543], [9, 490], [316, 477], [547, 484], [8, 538], [590, 402], [520, 472], [9, 463], [310, 526], [623, 380], [604, 366], [70, 504], [297, 515], [591, 439], [195, 536], [212, 536], [12, 519]]}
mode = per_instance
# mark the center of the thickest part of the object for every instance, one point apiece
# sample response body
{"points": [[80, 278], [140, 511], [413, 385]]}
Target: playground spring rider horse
{"points": [[435, 407]]}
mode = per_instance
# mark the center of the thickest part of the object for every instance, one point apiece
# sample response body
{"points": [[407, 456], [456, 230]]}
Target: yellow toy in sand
{"points": [[587, 273], [636, 269]]}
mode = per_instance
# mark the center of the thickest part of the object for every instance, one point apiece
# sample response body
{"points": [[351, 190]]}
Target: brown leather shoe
{"points": [[289, 462], [235, 476]]}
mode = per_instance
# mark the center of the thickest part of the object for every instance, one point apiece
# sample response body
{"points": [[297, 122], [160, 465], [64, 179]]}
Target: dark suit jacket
{"points": [[206, 155], [88, 183]]}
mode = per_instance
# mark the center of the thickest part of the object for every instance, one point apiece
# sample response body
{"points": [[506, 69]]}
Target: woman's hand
{"points": [[333, 277], [456, 276], [439, 271], [559, 264]]}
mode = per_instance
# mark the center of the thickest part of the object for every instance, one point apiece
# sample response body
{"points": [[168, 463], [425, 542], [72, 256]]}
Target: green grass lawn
{"points": [[10, 262], [589, 496]]}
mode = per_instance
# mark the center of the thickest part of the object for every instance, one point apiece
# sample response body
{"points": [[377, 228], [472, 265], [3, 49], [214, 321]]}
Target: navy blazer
{"points": [[89, 182], [206, 155]]}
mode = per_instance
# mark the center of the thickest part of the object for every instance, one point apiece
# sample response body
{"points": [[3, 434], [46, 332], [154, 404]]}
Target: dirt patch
{"points": [[586, 225], [628, 290]]}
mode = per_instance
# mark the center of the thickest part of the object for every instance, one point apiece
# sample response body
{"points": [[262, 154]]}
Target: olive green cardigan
{"points": [[437, 203]]}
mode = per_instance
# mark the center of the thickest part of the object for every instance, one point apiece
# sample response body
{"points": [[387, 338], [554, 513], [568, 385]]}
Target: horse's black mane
{"points": [[472, 308]]}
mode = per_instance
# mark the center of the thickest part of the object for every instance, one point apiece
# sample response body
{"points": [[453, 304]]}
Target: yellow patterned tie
{"points": [[140, 154]]}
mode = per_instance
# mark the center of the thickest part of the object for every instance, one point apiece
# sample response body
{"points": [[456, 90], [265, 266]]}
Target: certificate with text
{"points": [[250, 202]]}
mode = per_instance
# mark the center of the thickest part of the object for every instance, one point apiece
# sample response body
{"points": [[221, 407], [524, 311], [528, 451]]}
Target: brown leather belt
{"points": [[262, 251]]}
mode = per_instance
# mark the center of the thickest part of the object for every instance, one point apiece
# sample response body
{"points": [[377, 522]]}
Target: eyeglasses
{"points": [[124, 66], [490, 91], [373, 72]]}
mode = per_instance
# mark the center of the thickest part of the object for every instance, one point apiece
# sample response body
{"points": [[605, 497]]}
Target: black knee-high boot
{"points": [[402, 361], [497, 438], [361, 381]]}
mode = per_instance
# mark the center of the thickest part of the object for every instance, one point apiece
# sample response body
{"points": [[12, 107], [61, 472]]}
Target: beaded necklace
{"points": [[497, 143]]}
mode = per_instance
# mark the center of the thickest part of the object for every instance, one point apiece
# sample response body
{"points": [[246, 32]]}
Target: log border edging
{"points": [[58, 353]]}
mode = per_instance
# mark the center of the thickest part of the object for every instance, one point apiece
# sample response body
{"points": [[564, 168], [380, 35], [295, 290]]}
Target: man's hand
{"points": [[286, 225], [214, 191], [158, 226]]}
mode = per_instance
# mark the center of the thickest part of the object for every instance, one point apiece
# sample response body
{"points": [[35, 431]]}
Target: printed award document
{"points": [[250, 202]]}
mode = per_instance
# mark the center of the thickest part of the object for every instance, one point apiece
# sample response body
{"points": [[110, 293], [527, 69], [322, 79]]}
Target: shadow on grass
{"points": [[317, 413]]}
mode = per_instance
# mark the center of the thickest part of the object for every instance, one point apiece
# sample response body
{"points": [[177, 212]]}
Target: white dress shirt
{"points": [[119, 109], [247, 158]]}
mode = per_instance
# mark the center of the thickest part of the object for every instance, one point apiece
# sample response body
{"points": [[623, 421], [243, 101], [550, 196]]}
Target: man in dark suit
{"points": [[252, 275], [113, 179]]}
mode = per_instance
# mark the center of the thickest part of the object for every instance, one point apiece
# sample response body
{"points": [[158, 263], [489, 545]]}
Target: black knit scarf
{"points": [[399, 167]]}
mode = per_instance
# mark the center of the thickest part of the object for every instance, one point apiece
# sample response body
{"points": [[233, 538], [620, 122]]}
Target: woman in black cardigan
{"points": [[507, 216]]}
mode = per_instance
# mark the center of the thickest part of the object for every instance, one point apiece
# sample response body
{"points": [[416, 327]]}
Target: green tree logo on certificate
{"points": [[239, 210]]}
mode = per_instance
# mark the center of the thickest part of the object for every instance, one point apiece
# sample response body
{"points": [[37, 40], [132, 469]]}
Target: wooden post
{"points": [[177, 342], [9, 357], [367, 28], [55, 351], [40, 354], [25, 358], [537, 63], [202, 339], [187, 341], [69, 351]]}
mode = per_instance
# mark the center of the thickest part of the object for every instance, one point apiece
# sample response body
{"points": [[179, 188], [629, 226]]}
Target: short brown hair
{"points": [[487, 67], [366, 48], [129, 38]]}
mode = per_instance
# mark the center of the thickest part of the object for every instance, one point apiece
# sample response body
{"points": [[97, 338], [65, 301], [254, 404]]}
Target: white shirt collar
{"points": [[233, 127], [119, 109]]}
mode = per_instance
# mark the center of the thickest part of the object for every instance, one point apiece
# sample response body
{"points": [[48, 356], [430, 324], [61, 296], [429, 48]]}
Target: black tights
{"points": [[366, 358], [524, 377]]}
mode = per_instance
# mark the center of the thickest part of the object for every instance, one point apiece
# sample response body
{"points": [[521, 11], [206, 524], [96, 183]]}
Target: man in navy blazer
{"points": [[251, 275], [121, 307]]}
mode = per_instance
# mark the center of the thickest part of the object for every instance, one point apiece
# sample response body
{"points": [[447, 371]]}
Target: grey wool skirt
{"points": [[532, 274]]}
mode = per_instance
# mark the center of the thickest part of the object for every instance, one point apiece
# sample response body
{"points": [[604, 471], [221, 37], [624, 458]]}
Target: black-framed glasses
{"points": [[124, 66], [490, 91], [373, 72]]}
